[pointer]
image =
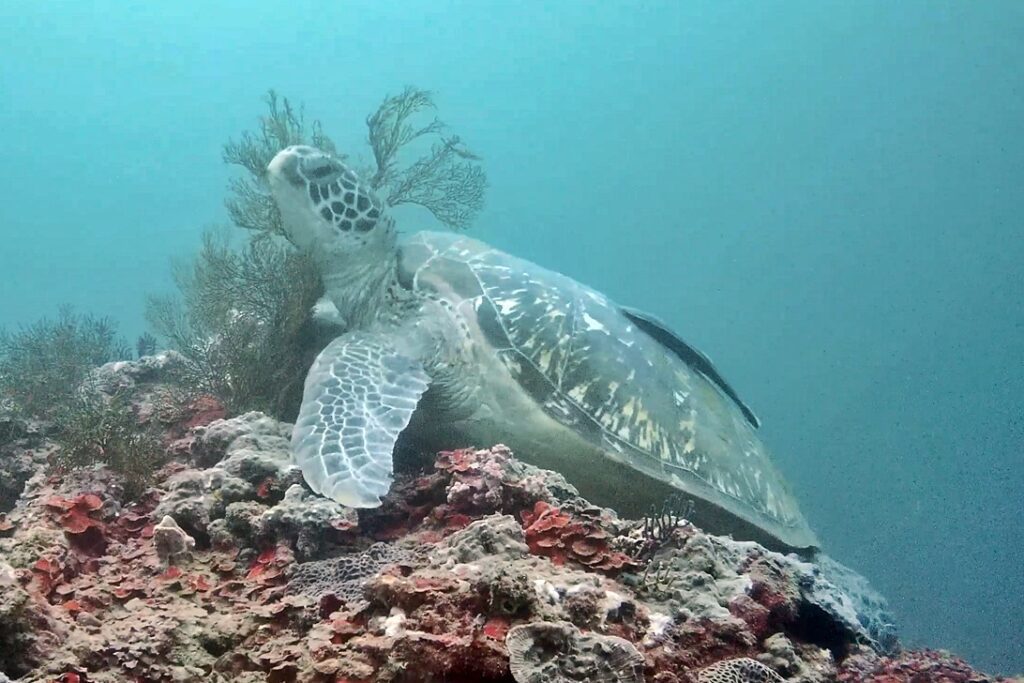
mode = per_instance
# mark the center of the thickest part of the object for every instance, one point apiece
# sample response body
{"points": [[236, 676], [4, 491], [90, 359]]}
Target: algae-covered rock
{"points": [[28, 633], [127, 375], [798, 662], [247, 461], [173, 545], [494, 537], [718, 578], [210, 443], [309, 521]]}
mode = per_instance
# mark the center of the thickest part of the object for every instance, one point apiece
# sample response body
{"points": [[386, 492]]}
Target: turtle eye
{"points": [[322, 171]]}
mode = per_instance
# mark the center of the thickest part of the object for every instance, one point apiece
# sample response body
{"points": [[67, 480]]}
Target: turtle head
{"points": [[329, 212], [324, 205]]}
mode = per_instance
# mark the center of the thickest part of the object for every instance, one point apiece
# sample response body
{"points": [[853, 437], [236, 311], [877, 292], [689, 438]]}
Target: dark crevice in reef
{"points": [[815, 626], [15, 636], [16, 465]]}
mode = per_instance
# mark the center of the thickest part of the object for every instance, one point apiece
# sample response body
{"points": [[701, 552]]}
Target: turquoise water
{"points": [[823, 196]]}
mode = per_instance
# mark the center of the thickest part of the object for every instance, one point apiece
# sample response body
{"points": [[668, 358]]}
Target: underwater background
{"points": [[823, 196]]}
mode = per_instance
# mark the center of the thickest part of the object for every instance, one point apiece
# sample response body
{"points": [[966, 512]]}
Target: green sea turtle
{"points": [[453, 343]]}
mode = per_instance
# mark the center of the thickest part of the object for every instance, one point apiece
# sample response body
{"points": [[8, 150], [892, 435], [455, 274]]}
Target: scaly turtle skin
{"points": [[452, 343]]}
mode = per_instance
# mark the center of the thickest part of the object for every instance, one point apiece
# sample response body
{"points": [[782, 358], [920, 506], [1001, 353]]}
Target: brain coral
{"points": [[540, 652], [739, 670], [344, 576]]}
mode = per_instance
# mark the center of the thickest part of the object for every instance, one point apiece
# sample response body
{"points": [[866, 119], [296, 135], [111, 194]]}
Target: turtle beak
{"points": [[284, 167], [288, 188]]}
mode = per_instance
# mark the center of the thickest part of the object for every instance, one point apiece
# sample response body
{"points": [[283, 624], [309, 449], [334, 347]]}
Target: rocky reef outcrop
{"points": [[478, 567]]}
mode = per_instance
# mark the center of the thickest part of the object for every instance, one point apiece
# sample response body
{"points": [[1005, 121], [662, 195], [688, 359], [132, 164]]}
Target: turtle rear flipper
{"points": [[360, 394]]}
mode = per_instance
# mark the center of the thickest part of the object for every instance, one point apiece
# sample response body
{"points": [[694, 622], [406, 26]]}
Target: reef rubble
{"points": [[477, 567]]}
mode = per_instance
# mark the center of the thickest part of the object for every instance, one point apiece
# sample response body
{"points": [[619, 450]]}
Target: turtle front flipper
{"points": [[359, 395]]}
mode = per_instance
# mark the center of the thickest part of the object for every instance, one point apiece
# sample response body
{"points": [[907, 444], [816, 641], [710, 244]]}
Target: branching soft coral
{"points": [[243, 323], [42, 364], [250, 206], [448, 181], [242, 320], [98, 430]]}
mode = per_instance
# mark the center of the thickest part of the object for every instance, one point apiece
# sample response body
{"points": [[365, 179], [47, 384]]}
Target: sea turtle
{"points": [[459, 344]]}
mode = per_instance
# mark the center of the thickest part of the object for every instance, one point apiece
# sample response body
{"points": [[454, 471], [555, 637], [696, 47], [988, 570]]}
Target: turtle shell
{"points": [[599, 370]]}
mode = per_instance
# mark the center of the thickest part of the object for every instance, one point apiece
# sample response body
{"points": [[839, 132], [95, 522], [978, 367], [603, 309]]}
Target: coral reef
{"points": [[908, 667], [22, 452], [477, 567]]}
